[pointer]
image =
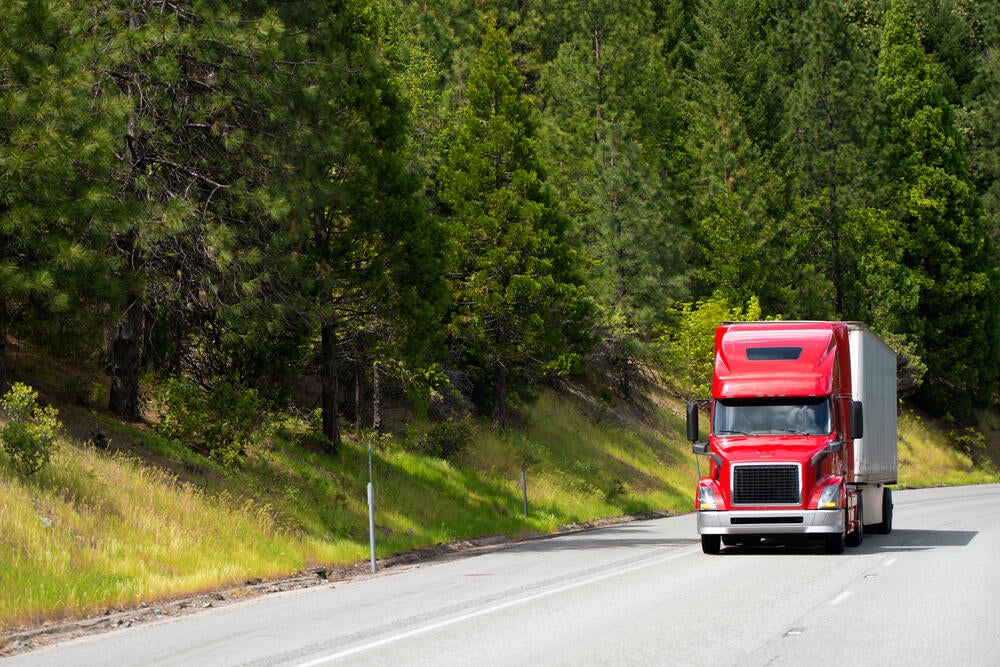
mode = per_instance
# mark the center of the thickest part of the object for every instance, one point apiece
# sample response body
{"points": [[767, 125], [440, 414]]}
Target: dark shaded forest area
{"points": [[455, 200]]}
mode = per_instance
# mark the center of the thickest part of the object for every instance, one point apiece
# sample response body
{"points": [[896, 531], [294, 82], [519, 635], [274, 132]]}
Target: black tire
{"points": [[857, 536], [835, 543], [885, 527], [711, 544]]}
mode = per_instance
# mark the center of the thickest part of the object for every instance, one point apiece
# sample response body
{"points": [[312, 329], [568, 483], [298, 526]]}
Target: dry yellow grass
{"points": [[92, 531], [927, 458]]}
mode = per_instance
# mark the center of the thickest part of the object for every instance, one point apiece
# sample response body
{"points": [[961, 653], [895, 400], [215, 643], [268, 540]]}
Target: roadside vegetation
{"points": [[139, 516], [136, 515], [932, 454]]}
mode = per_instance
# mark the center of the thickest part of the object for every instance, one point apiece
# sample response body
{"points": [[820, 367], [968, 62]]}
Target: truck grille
{"points": [[766, 485]]}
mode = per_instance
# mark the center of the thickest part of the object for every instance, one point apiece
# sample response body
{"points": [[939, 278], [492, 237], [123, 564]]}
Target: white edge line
{"points": [[840, 598]]}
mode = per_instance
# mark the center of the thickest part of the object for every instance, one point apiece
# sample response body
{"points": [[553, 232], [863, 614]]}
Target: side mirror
{"points": [[857, 420], [692, 422]]}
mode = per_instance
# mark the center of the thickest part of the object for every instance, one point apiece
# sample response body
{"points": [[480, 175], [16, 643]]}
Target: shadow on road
{"points": [[617, 537], [914, 540], [898, 541], [585, 543]]}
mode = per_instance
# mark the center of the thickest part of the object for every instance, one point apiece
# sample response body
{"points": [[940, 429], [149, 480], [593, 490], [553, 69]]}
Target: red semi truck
{"points": [[802, 439]]}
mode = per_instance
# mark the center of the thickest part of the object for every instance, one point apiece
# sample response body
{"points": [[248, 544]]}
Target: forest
{"points": [[450, 201]]}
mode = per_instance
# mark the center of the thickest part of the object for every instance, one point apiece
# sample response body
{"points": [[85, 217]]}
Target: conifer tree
{"points": [[980, 120], [944, 241], [605, 95], [194, 156], [518, 302], [828, 145], [57, 200], [736, 192], [353, 247]]}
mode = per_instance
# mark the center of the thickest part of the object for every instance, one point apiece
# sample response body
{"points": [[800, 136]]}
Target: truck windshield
{"points": [[768, 416]]}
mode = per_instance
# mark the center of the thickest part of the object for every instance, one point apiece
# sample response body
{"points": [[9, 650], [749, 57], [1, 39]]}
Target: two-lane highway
{"points": [[640, 594]]}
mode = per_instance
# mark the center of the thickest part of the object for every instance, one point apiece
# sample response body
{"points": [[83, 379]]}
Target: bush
{"points": [[31, 432], [446, 440], [970, 442], [220, 420]]}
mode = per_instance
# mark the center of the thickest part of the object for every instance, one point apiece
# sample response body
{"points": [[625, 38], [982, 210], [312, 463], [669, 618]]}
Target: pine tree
{"points": [[944, 239], [353, 246], [736, 191], [195, 154], [828, 146], [980, 121], [605, 97], [983, 103], [518, 304], [57, 200]]}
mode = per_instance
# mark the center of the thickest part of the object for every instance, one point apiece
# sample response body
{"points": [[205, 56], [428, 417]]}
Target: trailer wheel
{"points": [[711, 544], [885, 527]]}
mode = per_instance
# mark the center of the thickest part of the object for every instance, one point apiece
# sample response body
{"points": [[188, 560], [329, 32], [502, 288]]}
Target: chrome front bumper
{"points": [[770, 522]]}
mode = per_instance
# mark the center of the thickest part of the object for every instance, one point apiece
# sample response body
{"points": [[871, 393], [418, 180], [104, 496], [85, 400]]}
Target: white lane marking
{"points": [[489, 610], [891, 561], [840, 598]]}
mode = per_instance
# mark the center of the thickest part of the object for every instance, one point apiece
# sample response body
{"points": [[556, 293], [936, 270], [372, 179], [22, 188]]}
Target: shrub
{"points": [[970, 442], [31, 432], [220, 420], [446, 440]]}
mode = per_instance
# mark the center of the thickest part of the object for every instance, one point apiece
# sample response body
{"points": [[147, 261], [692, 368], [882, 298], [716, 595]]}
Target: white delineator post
{"points": [[371, 509]]}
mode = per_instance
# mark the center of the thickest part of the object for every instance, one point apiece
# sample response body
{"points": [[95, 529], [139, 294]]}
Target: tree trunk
{"points": [[3, 355], [359, 372], [377, 398], [123, 357], [499, 395], [328, 362], [837, 265]]}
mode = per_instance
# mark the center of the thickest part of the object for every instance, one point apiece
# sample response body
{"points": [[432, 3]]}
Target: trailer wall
{"points": [[873, 377]]}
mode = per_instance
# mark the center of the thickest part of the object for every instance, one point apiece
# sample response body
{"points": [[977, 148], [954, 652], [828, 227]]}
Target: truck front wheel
{"points": [[711, 544], [835, 543]]}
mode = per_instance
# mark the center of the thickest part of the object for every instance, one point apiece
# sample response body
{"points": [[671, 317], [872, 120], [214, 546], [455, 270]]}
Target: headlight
{"points": [[830, 497], [707, 500]]}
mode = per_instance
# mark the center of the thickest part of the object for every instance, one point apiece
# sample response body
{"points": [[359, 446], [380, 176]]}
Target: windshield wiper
{"points": [[730, 432]]}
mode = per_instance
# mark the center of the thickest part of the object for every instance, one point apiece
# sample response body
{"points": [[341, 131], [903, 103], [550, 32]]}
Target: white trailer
{"points": [[873, 379]]}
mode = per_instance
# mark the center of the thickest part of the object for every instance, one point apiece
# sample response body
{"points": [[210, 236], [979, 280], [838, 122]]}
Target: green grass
{"points": [[97, 530], [926, 457], [91, 531]]}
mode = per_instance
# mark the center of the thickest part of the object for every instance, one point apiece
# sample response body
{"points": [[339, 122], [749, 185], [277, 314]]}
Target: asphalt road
{"points": [[638, 594]]}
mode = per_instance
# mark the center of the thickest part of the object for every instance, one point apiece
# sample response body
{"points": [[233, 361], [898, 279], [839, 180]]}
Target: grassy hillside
{"points": [[147, 519]]}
